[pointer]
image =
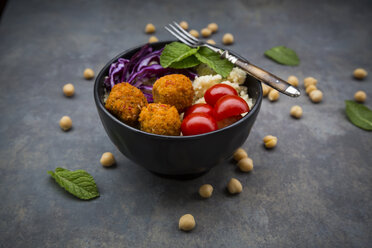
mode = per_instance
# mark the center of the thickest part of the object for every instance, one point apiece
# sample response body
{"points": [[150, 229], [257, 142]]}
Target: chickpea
{"points": [[212, 42], [239, 154], [296, 111], [153, 39], [213, 27], [206, 190], [184, 25], [270, 141], [360, 73], [245, 164], [194, 33], [273, 95], [360, 96], [228, 39], [186, 222], [234, 186], [316, 96], [107, 159], [205, 32], [310, 80], [150, 28], [293, 80], [88, 73], [68, 90], [65, 123], [310, 88], [265, 89]]}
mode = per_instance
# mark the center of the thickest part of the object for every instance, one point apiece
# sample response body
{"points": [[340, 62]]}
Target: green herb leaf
{"points": [[204, 69], [188, 62], [359, 115], [175, 52], [79, 183], [213, 60], [283, 55]]}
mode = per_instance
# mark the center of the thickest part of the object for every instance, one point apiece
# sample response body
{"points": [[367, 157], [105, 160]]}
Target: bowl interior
{"points": [[254, 91]]}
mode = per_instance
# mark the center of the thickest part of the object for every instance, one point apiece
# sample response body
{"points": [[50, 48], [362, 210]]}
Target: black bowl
{"points": [[175, 155]]}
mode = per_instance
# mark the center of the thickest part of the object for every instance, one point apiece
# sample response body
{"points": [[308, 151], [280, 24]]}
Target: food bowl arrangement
{"points": [[175, 156]]}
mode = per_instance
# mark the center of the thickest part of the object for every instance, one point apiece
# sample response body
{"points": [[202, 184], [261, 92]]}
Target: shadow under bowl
{"points": [[175, 156]]}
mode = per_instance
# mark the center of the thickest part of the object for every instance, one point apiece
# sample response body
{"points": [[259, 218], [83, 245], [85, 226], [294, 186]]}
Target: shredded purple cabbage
{"points": [[141, 71]]}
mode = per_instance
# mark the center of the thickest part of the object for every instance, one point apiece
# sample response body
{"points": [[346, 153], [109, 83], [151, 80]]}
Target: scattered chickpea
{"points": [[228, 39], [245, 164], [186, 222], [310, 88], [107, 159], [239, 154], [273, 95], [212, 42], [360, 96], [360, 73], [194, 33], [296, 111], [234, 186], [184, 25], [206, 190], [316, 96], [213, 27], [206, 32], [310, 81], [88, 73], [265, 89], [150, 28], [153, 39], [65, 123], [270, 141], [293, 80], [68, 90]]}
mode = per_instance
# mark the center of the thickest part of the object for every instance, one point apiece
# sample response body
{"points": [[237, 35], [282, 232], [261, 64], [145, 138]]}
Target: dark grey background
{"points": [[312, 190]]}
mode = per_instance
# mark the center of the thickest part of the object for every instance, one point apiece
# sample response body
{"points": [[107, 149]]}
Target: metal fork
{"points": [[255, 71]]}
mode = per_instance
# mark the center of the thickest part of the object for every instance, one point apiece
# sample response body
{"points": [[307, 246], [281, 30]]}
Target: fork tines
{"points": [[177, 31]]}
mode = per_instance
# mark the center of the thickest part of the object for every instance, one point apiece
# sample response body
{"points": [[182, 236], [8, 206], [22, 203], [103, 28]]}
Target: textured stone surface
{"points": [[312, 190]]}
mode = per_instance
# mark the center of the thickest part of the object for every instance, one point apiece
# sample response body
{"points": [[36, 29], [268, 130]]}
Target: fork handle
{"points": [[264, 76]]}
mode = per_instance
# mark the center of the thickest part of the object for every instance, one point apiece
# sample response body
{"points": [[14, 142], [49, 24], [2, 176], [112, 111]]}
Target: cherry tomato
{"points": [[199, 108], [228, 121], [198, 123], [217, 91], [228, 106]]}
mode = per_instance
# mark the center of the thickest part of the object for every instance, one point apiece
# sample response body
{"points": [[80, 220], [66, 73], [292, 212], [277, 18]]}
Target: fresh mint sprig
{"points": [[283, 55], [359, 115], [178, 55], [79, 183]]}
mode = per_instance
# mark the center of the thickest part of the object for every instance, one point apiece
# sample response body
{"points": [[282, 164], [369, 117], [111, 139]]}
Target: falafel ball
{"points": [[125, 102], [175, 90], [159, 118]]}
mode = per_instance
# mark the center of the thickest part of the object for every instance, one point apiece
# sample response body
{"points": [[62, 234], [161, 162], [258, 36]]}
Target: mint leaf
{"points": [[178, 56], [188, 62], [175, 52], [214, 61], [283, 55], [359, 115], [79, 183], [204, 69]]}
